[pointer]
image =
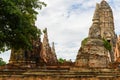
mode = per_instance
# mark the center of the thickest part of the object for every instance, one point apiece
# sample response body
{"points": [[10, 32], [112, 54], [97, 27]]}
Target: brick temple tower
{"points": [[48, 54], [93, 51], [107, 25]]}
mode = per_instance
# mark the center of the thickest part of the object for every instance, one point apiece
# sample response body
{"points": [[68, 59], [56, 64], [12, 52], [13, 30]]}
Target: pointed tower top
{"points": [[53, 45], [103, 1], [45, 38], [53, 52], [53, 48], [45, 30], [96, 14], [104, 4]]}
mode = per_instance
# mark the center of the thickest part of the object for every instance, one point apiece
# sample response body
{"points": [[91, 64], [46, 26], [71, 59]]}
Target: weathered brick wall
{"points": [[54, 78]]}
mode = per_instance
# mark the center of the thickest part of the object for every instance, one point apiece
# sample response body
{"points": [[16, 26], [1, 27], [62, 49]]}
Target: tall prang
{"points": [[107, 26], [53, 52], [47, 55], [97, 50]]}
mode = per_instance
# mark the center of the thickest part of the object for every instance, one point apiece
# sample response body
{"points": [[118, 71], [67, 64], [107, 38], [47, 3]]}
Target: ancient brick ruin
{"points": [[93, 51], [100, 48], [41, 54], [98, 57]]}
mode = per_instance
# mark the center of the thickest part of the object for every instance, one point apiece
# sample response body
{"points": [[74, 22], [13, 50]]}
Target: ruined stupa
{"points": [[17, 56], [22, 57], [53, 52], [40, 54], [47, 54], [97, 50]]}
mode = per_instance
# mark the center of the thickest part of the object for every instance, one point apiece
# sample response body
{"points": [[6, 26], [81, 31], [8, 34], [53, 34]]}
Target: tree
{"points": [[2, 62], [60, 60], [17, 23]]}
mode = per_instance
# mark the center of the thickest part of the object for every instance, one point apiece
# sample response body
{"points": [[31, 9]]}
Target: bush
{"points": [[107, 45], [60, 60], [84, 41]]}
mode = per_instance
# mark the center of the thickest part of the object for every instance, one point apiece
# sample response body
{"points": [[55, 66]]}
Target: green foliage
{"points": [[107, 45], [44, 31], [2, 62], [60, 60], [17, 23], [84, 41]]}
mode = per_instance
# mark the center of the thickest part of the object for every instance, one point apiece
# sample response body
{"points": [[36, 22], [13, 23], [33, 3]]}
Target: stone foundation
{"points": [[96, 74], [54, 78]]}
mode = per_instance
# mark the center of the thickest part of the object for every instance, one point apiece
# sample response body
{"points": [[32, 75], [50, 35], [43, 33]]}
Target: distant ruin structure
{"points": [[41, 53], [48, 54]]}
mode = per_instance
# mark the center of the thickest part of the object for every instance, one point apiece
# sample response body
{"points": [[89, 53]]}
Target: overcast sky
{"points": [[68, 23]]}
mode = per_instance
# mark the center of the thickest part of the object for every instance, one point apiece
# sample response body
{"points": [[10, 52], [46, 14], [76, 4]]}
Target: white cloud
{"points": [[116, 13], [68, 22]]}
